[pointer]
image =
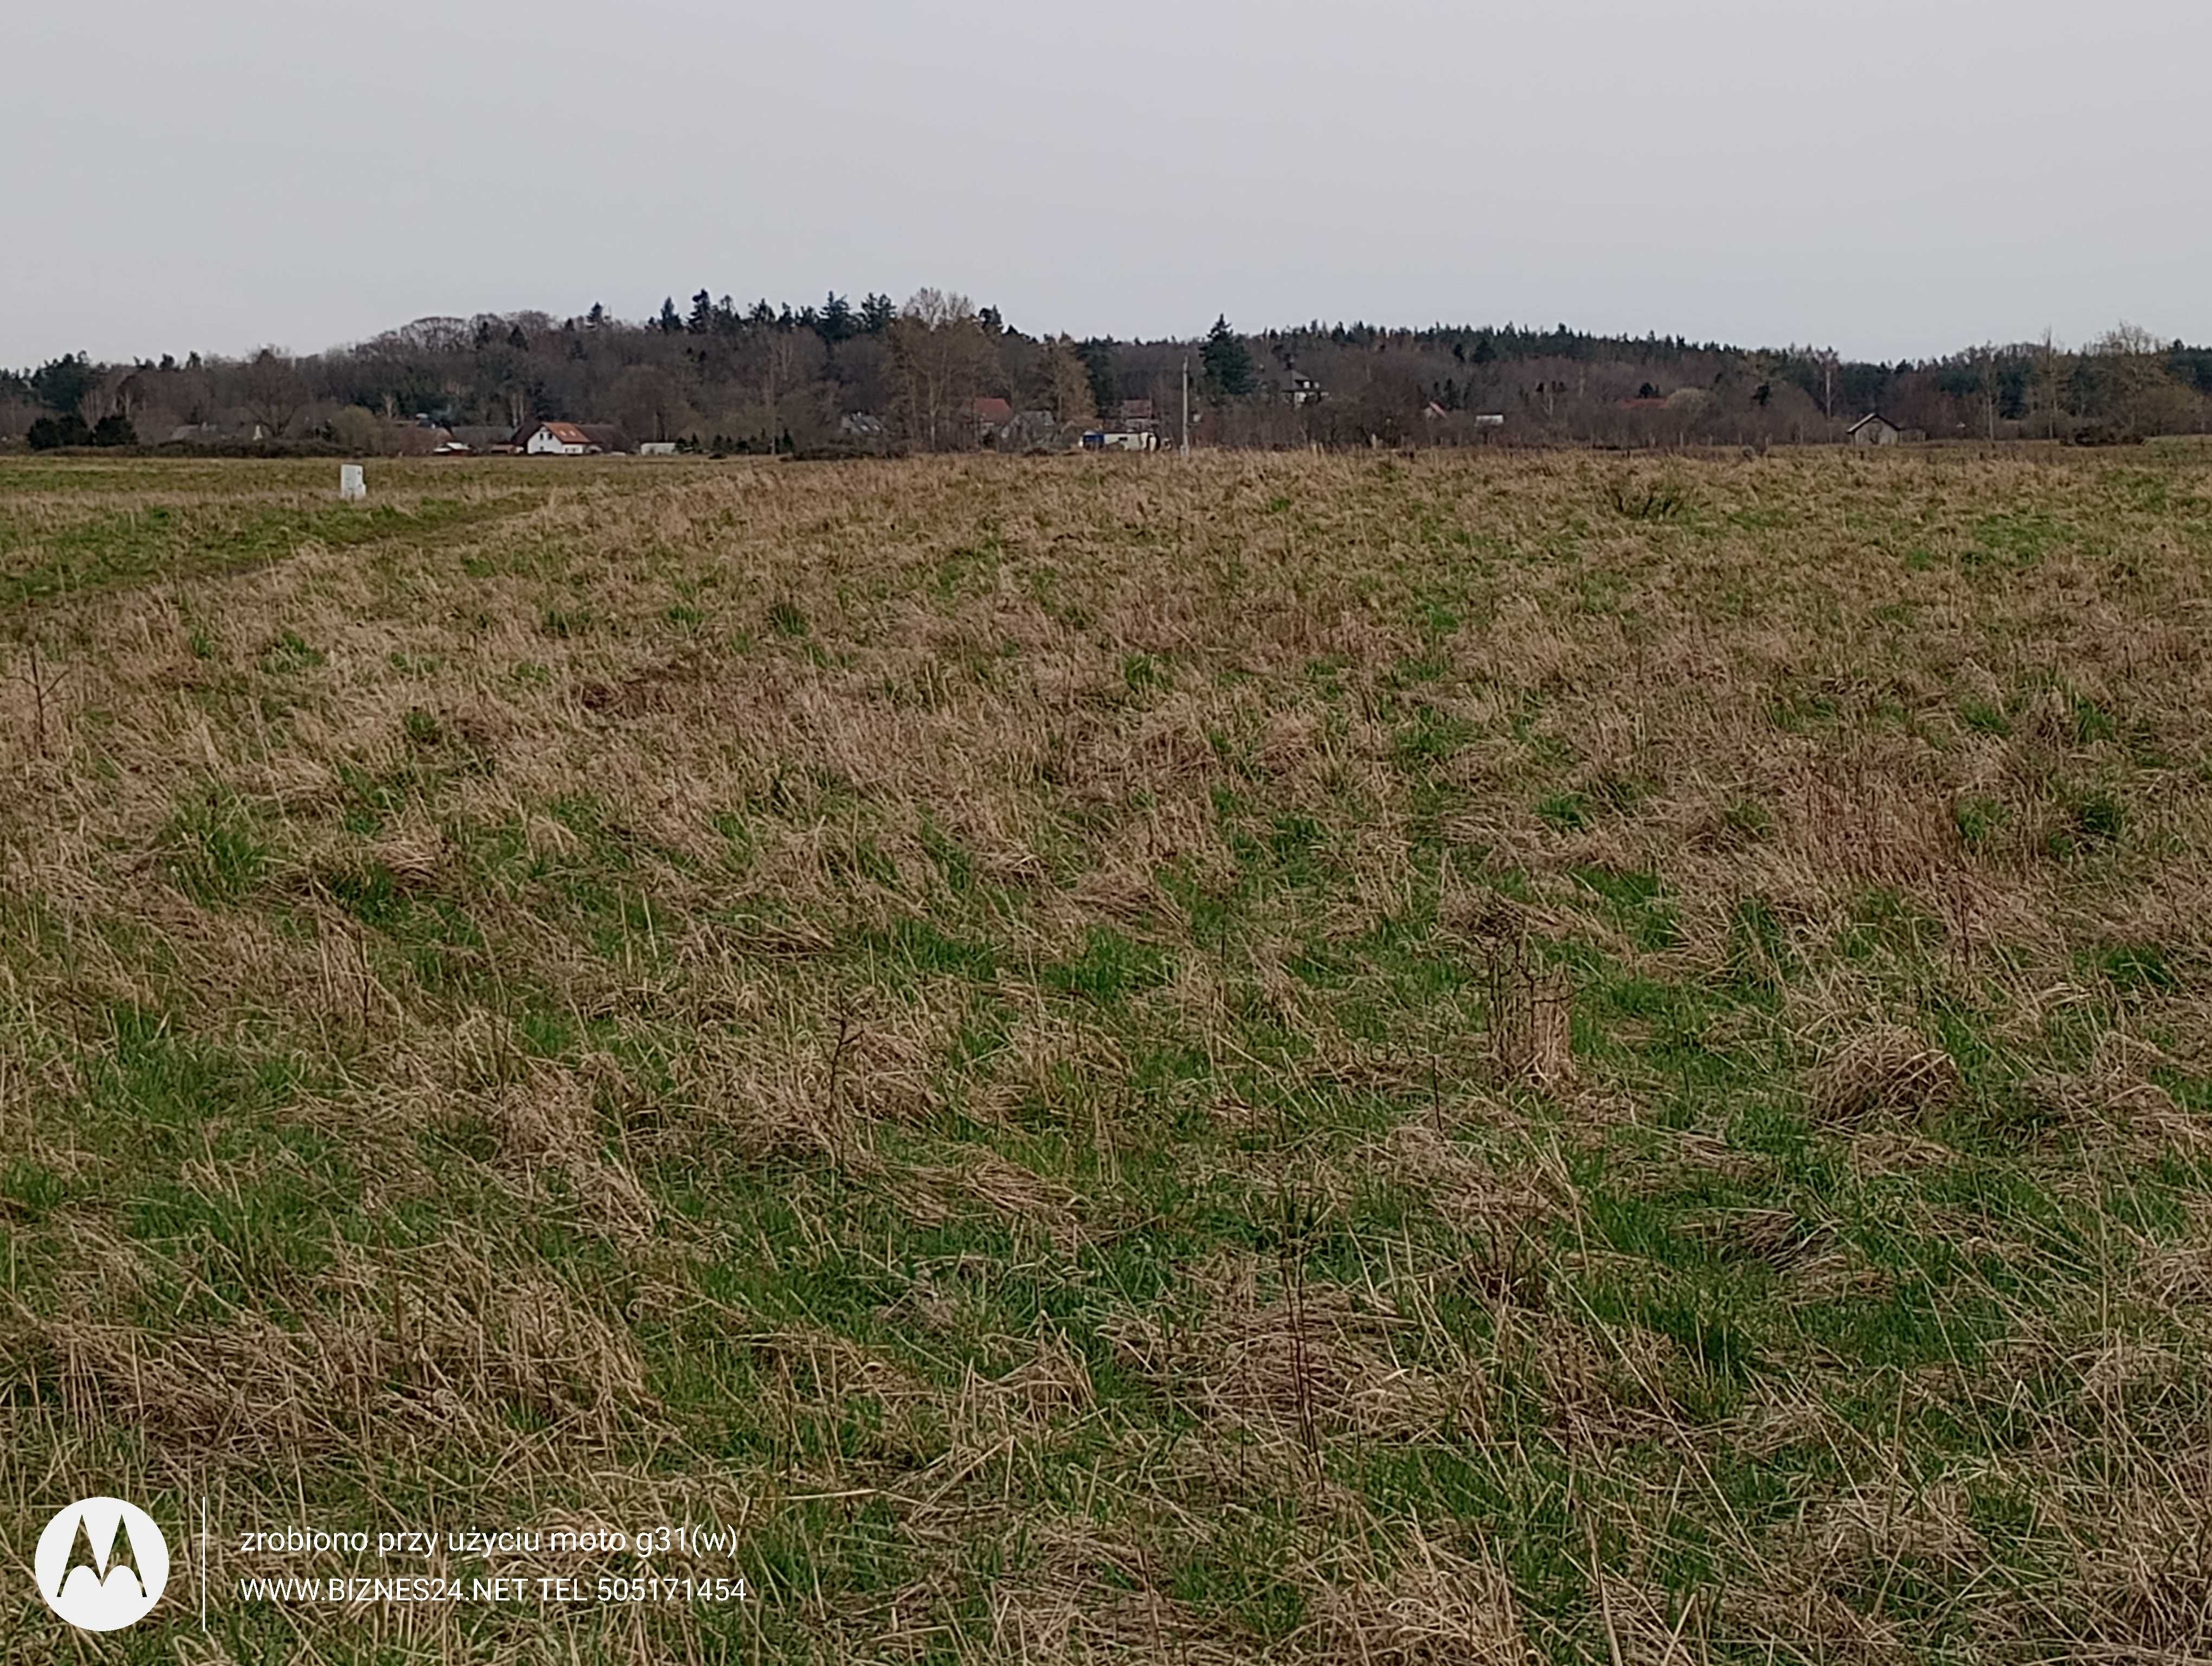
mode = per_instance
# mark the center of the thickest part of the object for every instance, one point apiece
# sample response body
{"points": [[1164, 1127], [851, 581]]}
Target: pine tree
{"points": [[1098, 356], [702, 314], [836, 323], [670, 320], [51, 433], [1228, 361], [61, 383], [877, 313]]}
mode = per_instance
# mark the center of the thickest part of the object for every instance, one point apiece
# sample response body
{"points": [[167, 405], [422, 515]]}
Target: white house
{"points": [[556, 440]]}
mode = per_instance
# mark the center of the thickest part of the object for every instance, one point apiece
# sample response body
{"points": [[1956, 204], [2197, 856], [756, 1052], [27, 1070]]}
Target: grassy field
{"points": [[1358, 1059]]}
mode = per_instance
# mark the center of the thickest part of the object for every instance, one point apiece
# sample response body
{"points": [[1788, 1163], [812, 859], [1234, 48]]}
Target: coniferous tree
{"points": [[1098, 356], [51, 433], [1228, 361], [671, 321], [836, 322], [702, 314], [61, 383], [877, 313]]}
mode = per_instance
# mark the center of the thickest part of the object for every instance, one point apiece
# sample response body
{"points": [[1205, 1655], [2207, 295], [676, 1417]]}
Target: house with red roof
{"points": [[555, 439]]}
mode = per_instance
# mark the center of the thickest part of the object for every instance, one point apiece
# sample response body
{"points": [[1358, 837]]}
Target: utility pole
{"points": [[1186, 405]]}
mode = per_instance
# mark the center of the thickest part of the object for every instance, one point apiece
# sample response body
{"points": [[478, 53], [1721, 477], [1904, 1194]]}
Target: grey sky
{"points": [[1892, 176]]}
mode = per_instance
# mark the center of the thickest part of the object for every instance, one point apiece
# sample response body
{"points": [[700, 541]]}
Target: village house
{"points": [[569, 438], [1876, 430], [1029, 430], [554, 440], [991, 415], [863, 430]]}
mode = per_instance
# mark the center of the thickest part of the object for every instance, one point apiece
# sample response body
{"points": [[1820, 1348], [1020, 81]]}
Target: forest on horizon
{"points": [[719, 376]]}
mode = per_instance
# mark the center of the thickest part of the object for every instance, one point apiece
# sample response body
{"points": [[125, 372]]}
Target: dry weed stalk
{"points": [[1532, 1011]]}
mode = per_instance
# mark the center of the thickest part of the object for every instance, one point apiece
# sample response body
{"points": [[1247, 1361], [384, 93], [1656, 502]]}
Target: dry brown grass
{"points": [[1328, 1059]]}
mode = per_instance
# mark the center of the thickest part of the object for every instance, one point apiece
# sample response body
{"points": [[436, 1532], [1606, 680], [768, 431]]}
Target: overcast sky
{"points": [[1890, 177]]}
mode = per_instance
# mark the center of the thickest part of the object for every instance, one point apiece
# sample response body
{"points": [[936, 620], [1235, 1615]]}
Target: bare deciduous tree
{"points": [[650, 405], [2134, 392], [938, 357], [274, 393], [1067, 382], [793, 356]]}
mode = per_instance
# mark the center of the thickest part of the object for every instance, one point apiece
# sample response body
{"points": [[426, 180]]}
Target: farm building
{"points": [[1876, 430], [474, 438]]}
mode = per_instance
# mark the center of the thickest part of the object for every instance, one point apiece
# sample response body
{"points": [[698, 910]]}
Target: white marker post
{"points": [[351, 487]]}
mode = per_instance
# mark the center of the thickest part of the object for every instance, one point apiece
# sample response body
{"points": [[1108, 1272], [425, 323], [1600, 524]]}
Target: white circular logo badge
{"points": [[101, 1564]]}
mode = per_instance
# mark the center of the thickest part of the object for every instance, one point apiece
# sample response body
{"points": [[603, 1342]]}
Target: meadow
{"points": [[1353, 1058]]}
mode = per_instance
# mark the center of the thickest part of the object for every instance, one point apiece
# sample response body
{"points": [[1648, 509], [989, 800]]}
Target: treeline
{"points": [[719, 375]]}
